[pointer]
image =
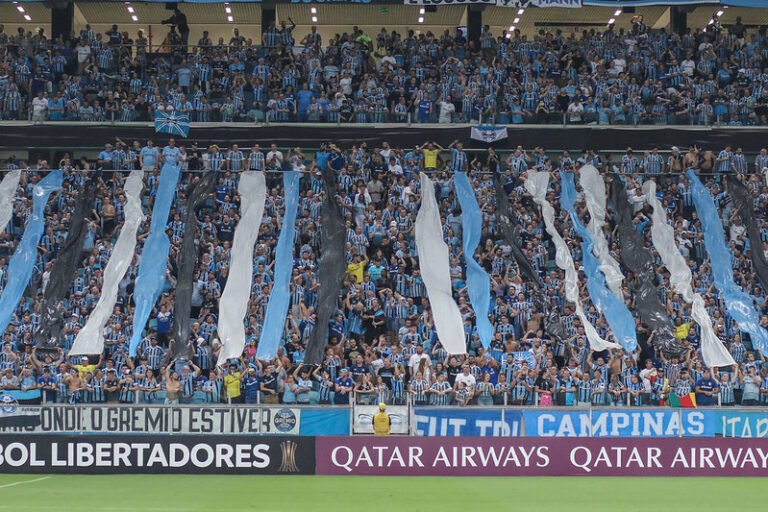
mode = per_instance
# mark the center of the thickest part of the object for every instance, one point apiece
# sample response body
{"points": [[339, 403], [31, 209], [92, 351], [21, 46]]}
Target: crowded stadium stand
{"points": [[589, 301]]}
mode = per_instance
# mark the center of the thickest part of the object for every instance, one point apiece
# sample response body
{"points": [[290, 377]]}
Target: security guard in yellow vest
{"points": [[381, 421]]}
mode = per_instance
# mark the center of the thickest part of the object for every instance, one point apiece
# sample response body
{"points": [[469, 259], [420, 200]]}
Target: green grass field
{"points": [[212, 493]]}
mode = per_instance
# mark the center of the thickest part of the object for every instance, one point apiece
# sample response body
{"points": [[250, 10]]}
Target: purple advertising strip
{"points": [[477, 456]]}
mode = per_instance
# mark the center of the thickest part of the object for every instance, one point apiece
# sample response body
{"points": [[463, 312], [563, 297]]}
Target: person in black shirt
{"points": [[179, 19]]}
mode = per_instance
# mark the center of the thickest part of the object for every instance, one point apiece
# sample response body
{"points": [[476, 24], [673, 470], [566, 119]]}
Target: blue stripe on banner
{"points": [[478, 282], [738, 303], [277, 308], [615, 311], [154, 255], [23, 261]]}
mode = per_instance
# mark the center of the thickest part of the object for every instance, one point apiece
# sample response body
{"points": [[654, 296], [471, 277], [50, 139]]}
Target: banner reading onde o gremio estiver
{"points": [[455, 456]]}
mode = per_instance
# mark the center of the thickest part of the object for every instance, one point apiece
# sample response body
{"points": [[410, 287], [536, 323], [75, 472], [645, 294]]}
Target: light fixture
{"points": [[20, 8], [617, 13], [422, 11], [130, 9], [512, 28], [28, 17], [421, 19], [520, 12], [314, 19], [228, 10], [711, 22], [313, 10], [720, 13], [230, 19], [516, 21], [612, 21], [135, 18]]}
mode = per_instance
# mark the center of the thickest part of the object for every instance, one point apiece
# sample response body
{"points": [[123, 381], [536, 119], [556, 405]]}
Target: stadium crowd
{"points": [[608, 77], [382, 346]]}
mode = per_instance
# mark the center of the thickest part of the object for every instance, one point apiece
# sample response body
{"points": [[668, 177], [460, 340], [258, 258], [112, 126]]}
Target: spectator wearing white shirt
{"points": [[467, 378]]}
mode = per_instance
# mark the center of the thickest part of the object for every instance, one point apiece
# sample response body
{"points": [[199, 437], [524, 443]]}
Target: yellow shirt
{"points": [[381, 424], [232, 384], [356, 269], [681, 331], [430, 158], [83, 369]]}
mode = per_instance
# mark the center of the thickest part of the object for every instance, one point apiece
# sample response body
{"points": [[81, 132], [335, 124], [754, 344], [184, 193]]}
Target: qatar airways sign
{"points": [[454, 456]]}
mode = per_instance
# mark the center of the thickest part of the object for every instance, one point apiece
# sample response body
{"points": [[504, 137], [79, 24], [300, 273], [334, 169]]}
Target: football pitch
{"points": [[212, 493]]}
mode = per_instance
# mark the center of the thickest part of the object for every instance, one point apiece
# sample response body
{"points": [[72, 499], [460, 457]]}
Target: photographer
{"points": [[179, 20]]}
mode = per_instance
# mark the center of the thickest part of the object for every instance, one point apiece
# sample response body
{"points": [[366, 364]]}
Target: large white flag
{"points": [[435, 270], [90, 339], [234, 299], [7, 193], [536, 184], [663, 235]]}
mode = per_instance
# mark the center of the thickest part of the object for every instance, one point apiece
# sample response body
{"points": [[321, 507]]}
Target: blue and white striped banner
{"points": [[615, 311]]}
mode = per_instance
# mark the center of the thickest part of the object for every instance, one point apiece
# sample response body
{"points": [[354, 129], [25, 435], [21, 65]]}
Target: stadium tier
{"points": [[417, 273]]}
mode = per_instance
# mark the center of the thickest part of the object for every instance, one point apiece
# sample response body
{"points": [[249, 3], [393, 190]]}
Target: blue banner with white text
{"points": [[453, 422], [619, 423]]}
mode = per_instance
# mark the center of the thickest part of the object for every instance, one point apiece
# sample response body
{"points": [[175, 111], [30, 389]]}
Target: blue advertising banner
{"points": [[429, 421], [324, 422], [619, 423], [740, 423]]}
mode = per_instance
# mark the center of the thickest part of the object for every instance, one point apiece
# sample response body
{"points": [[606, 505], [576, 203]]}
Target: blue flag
{"points": [[478, 282], [172, 123]]}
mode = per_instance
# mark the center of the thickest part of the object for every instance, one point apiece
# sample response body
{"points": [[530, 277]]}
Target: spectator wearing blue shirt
{"points": [[251, 386], [343, 387], [706, 388], [171, 154], [148, 157], [106, 157]]}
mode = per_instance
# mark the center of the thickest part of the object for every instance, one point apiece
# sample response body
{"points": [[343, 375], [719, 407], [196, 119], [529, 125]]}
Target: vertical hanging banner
{"points": [[233, 305], [435, 270], [279, 299], [615, 311], [154, 255], [594, 195], [331, 268], [197, 193], [743, 203], [7, 194], [536, 184], [65, 265], [23, 260], [90, 339], [738, 303], [478, 282], [712, 349], [640, 261]]}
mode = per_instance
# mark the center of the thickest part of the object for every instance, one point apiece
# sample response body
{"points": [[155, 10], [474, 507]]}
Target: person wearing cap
{"points": [[343, 387], [84, 366], [381, 421]]}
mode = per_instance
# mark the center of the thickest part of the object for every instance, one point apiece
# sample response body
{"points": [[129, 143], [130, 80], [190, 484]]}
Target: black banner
{"points": [[63, 273], [331, 268], [639, 261], [743, 203], [197, 193], [346, 135], [157, 454]]}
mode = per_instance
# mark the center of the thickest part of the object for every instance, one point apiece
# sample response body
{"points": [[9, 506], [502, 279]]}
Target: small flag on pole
{"points": [[489, 133], [685, 401], [172, 123]]}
